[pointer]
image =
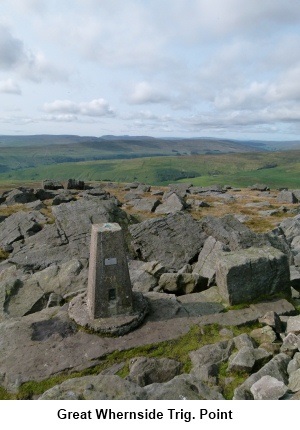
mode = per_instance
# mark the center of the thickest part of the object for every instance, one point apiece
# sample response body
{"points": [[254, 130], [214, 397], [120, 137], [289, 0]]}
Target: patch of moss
{"points": [[229, 381], [5, 395], [3, 254]]}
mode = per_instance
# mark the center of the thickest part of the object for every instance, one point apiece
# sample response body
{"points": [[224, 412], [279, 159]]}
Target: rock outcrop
{"points": [[192, 270]]}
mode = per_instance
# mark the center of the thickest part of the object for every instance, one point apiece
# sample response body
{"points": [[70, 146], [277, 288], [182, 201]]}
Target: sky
{"points": [[162, 68]]}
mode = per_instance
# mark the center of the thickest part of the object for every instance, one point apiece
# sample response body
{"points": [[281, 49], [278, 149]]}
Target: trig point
{"points": [[109, 306], [109, 287]]}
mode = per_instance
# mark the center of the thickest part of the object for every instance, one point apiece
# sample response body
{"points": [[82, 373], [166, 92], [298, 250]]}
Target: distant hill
{"points": [[31, 157], [131, 144], [22, 152]]}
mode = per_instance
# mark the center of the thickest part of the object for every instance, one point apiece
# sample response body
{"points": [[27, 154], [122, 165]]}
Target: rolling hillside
{"points": [[277, 169]]}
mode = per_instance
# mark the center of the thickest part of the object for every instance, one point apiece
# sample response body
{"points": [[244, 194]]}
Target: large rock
{"points": [[63, 197], [95, 387], [50, 184], [171, 204], [182, 387], [69, 237], [277, 368], [206, 264], [74, 184], [141, 279], [293, 324], [144, 205], [112, 387], [182, 283], [174, 240], [287, 197], [46, 247], [290, 228], [211, 354], [294, 381], [242, 361], [19, 196], [20, 225], [145, 371], [229, 231], [247, 275], [268, 388], [22, 294]]}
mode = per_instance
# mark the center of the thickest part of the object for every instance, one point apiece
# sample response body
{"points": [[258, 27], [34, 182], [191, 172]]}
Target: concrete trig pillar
{"points": [[109, 288]]}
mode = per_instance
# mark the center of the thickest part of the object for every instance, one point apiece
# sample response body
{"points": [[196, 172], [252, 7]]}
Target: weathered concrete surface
{"points": [[109, 287]]}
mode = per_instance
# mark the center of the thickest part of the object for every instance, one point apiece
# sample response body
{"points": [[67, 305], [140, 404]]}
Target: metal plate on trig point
{"points": [[110, 261]]}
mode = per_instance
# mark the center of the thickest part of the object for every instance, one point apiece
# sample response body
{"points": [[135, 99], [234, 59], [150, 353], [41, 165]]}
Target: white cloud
{"points": [[219, 64], [144, 93], [60, 118], [93, 108], [25, 63], [98, 107], [61, 106], [10, 87]]}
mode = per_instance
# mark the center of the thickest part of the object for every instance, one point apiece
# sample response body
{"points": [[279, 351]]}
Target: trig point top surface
{"points": [[106, 226]]}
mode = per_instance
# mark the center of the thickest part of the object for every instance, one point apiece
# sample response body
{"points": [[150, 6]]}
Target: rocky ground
{"points": [[220, 268]]}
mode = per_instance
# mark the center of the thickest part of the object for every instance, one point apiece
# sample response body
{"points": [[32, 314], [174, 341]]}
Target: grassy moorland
{"points": [[277, 169]]}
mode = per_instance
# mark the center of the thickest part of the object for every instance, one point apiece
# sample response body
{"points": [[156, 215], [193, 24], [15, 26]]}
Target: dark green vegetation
{"points": [[177, 349]]}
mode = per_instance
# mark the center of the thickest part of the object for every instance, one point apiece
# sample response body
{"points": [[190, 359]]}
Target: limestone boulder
{"points": [[244, 340], [211, 354], [174, 240], [144, 205], [74, 184], [19, 226], [208, 257], [229, 231], [141, 279], [268, 388], [51, 184], [294, 364], [293, 324], [244, 276], [23, 294], [63, 197], [294, 381], [287, 196], [272, 319], [37, 252], [182, 283], [290, 344], [172, 204], [20, 196], [145, 371], [290, 227], [95, 387], [182, 387], [276, 368], [242, 361], [69, 237], [263, 335]]}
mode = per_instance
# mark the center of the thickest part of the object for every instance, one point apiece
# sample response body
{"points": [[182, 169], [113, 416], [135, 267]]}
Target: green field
{"points": [[276, 169]]}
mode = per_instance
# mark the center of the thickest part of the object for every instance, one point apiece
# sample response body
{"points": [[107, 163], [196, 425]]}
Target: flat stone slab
{"points": [[115, 326], [195, 305], [280, 306], [46, 343]]}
